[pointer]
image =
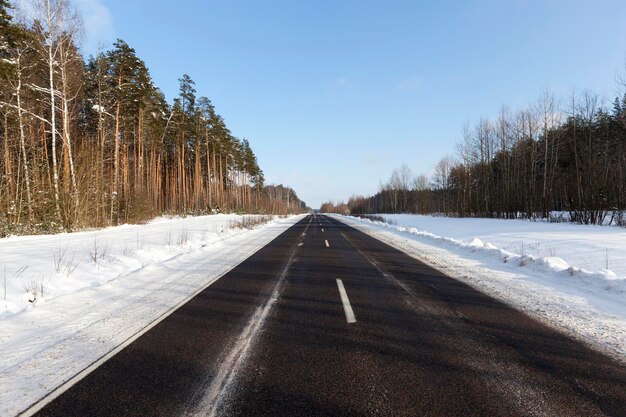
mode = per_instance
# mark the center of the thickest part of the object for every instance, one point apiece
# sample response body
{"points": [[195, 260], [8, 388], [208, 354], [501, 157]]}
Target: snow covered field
{"points": [[72, 298], [555, 271], [585, 246]]}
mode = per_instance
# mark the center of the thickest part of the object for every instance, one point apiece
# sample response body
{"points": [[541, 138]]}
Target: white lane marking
{"points": [[347, 308], [405, 287], [237, 356], [327, 244], [228, 369]]}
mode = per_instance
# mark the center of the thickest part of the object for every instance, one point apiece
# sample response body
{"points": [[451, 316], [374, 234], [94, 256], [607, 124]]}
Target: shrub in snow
{"points": [[34, 288], [98, 253]]}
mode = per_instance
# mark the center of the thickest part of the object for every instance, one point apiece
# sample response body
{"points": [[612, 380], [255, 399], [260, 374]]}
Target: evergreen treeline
{"points": [[551, 161], [95, 143]]}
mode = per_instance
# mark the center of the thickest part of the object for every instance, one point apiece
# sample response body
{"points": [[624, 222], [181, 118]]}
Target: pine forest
{"points": [[92, 143]]}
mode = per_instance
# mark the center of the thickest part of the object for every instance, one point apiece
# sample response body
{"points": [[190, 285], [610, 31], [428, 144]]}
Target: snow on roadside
{"points": [[588, 305], [101, 287], [588, 247]]}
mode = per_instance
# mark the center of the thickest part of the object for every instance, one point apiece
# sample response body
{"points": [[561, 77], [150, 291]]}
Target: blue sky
{"points": [[335, 94]]}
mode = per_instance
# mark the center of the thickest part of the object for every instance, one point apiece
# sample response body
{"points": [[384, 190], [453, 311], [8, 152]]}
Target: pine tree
{"points": [[185, 108], [126, 71], [207, 115], [7, 37]]}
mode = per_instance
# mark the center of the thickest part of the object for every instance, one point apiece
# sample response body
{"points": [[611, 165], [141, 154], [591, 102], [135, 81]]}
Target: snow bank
{"points": [[603, 279], [101, 287], [41, 269], [588, 247], [588, 304]]}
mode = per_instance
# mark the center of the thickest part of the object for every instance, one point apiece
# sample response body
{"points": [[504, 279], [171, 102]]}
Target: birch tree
{"points": [[49, 20]]}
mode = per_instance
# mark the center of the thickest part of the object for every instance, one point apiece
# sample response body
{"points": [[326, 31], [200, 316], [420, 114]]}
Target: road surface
{"points": [[327, 321]]}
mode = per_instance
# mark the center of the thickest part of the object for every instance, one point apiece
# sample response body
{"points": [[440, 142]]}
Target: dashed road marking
{"points": [[347, 308]]}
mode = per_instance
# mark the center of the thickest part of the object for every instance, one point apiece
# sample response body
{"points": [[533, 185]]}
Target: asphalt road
{"points": [[327, 321]]}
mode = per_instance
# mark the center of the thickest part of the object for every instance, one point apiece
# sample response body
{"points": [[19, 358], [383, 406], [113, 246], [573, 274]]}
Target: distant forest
{"points": [[556, 160], [95, 143]]}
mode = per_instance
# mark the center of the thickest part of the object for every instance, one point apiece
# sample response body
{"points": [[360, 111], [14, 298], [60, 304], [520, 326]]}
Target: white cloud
{"points": [[98, 23], [409, 84], [340, 82]]}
